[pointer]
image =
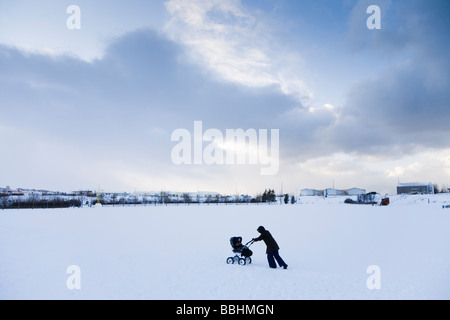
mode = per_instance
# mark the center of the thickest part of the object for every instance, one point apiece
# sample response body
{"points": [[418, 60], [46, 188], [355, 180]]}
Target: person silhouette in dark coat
{"points": [[272, 248]]}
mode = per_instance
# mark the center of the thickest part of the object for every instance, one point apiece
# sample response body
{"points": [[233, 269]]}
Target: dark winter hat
{"points": [[261, 229]]}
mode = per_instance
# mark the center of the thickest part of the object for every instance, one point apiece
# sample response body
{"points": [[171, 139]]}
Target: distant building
{"points": [[309, 192], [355, 192], [415, 188], [202, 196], [333, 192]]}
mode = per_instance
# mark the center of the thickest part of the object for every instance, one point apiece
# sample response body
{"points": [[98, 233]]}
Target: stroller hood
{"points": [[235, 240]]}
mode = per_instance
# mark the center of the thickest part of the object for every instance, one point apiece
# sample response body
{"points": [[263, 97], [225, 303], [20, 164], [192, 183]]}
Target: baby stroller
{"points": [[243, 253]]}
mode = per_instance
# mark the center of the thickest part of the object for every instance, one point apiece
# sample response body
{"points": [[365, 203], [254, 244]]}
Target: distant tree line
{"points": [[291, 199], [38, 203], [269, 196], [28, 200]]}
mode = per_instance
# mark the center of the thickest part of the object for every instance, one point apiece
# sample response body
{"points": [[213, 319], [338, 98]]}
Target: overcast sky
{"points": [[97, 106]]}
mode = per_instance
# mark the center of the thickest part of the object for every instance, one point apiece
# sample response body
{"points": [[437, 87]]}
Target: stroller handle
{"points": [[250, 243]]}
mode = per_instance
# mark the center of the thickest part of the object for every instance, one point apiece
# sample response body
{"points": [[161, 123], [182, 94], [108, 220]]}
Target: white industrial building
{"points": [[333, 192], [415, 188], [309, 192], [355, 191]]}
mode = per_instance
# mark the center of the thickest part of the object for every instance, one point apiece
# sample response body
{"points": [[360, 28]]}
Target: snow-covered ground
{"points": [[179, 252]]}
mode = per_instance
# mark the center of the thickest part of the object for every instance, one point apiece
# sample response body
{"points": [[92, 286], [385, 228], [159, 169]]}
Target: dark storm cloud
{"points": [[133, 98]]}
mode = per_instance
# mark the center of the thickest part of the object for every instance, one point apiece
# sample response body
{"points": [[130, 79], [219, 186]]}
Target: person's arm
{"points": [[258, 239]]}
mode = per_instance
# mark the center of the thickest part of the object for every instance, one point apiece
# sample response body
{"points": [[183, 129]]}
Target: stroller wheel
{"points": [[242, 262], [248, 260], [230, 260]]}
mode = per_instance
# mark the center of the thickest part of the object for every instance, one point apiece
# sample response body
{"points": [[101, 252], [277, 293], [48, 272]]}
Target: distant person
{"points": [[272, 248]]}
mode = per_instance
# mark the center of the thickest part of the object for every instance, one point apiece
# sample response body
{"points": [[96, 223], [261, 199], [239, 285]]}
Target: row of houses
{"points": [[27, 192], [164, 197], [91, 197], [332, 192]]}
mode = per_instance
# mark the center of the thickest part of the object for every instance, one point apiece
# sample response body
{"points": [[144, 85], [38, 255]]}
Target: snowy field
{"points": [[179, 252]]}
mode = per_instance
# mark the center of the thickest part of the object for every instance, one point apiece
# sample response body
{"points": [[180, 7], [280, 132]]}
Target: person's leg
{"points": [[279, 259], [271, 260]]}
